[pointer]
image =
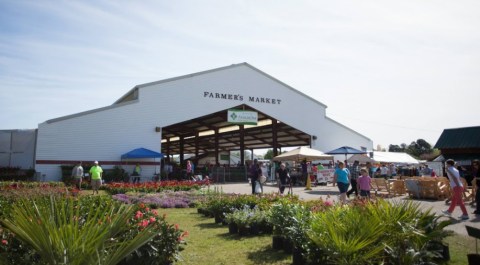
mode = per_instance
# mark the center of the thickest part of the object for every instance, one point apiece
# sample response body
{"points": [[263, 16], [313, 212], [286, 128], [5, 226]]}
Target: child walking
{"points": [[364, 183]]}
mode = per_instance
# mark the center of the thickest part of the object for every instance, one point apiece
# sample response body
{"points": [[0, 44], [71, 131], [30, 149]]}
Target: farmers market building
{"points": [[205, 114]]}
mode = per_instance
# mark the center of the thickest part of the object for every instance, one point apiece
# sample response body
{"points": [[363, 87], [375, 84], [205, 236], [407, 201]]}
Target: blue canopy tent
{"points": [[142, 153], [346, 150]]}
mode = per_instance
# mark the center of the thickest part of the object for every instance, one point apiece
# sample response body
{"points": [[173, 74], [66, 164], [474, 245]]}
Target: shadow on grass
{"points": [[229, 236], [267, 255], [323, 192], [211, 225]]}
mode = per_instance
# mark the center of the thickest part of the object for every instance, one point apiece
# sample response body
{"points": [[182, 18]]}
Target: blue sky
{"points": [[395, 71]]}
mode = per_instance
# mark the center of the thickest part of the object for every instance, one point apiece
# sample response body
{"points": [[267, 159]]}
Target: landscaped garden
{"points": [[193, 223]]}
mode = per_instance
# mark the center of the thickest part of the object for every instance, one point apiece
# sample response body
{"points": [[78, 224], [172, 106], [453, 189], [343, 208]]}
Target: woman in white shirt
{"points": [[457, 190]]}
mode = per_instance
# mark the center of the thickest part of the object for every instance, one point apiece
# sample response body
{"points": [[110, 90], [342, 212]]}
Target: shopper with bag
{"points": [[255, 172]]}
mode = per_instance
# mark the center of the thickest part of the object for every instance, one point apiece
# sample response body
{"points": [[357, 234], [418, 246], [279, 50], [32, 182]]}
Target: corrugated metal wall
{"points": [[17, 148]]}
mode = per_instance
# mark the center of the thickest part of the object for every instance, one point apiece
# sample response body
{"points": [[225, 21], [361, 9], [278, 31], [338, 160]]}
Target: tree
{"points": [[395, 148], [419, 148], [268, 154]]}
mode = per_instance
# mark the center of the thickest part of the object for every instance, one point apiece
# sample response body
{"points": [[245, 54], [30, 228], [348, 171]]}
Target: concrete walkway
{"points": [[331, 193]]}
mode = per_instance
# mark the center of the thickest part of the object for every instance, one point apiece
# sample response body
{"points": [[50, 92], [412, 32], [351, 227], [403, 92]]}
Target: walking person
{"points": [[189, 170], [96, 177], [354, 173], [341, 178], [304, 170], [77, 174], [255, 172], [364, 183], [457, 188], [282, 178]]}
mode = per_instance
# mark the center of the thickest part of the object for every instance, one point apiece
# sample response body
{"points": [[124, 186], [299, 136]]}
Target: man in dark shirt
{"points": [[354, 173], [255, 172], [282, 177]]}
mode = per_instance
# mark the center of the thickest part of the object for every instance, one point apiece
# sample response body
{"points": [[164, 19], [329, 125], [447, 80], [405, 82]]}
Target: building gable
{"points": [[459, 138]]}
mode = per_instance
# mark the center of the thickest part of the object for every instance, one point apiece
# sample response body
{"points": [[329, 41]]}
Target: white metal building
{"points": [[160, 116]]}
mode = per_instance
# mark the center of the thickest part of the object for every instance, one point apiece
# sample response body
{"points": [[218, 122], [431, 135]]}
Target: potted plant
{"points": [[232, 226]]}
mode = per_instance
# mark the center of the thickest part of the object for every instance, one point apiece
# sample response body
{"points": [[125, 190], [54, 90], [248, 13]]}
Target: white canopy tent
{"points": [[394, 157], [362, 159], [302, 153]]}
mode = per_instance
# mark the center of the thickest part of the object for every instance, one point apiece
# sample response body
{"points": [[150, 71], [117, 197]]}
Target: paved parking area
{"points": [[330, 192]]}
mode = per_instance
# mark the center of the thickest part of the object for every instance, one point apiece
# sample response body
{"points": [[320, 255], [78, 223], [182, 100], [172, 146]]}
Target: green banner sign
{"points": [[242, 117]]}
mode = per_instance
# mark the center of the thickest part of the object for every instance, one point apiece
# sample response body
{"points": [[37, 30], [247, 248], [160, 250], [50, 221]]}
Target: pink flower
{"points": [[4, 242], [328, 203], [138, 215], [145, 223], [152, 219]]}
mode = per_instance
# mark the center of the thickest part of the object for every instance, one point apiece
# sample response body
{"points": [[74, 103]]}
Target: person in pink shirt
{"points": [[189, 170], [364, 182]]}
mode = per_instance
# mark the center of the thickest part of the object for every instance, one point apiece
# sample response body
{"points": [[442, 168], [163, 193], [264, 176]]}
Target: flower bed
{"points": [[166, 199], [13, 185], [150, 187], [87, 230]]}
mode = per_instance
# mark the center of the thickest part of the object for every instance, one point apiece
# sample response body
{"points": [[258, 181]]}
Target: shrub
{"points": [[73, 231], [377, 232], [163, 248]]}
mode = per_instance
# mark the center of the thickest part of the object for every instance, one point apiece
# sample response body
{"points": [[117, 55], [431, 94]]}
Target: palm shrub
{"points": [[378, 232], [347, 236], [412, 235], [64, 231]]}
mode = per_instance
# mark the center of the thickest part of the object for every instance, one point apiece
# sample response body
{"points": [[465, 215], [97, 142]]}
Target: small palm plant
{"points": [[63, 231], [348, 236]]}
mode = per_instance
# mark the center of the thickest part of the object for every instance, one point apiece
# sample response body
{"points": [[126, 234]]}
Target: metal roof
{"points": [[255, 137], [459, 138]]}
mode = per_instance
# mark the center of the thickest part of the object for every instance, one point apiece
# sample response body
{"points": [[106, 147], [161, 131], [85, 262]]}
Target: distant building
{"points": [[459, 144], [17, 148]]}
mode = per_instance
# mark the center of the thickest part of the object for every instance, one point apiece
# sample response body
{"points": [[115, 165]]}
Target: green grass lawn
{"points": [[210, 243], [460, 246]]}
